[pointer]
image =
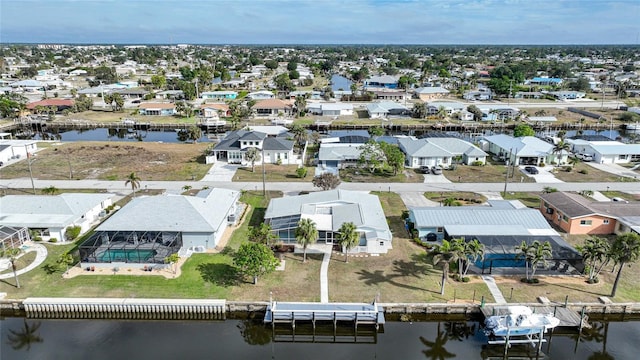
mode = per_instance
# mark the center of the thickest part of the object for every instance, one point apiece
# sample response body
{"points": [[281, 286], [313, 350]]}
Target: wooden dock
{"points": [[356, 313], [568, 317]]}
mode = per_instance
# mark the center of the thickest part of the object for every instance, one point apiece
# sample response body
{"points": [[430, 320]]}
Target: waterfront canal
{"points": [[26, 339]]}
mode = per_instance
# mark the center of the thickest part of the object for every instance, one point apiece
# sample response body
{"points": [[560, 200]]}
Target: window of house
{"points": [[381, 243], [585, 222], [605, 221], [622, 157], [565, 218], [439, 229]]}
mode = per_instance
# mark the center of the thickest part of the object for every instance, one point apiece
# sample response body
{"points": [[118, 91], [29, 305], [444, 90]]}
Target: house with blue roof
{"points": [[329, 210], [439, 151], [526, 150]]}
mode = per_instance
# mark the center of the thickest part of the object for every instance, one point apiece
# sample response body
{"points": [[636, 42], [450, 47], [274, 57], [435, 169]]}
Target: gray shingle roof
{"points": [[47, 210], [361, 208], [575, 205], [173, 213]]}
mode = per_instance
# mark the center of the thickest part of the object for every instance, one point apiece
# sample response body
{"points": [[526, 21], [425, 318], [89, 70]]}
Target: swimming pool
{"points": [[126, 255], [500, 260]]}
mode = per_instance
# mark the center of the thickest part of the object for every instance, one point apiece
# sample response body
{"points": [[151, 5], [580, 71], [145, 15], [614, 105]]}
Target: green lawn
{"points": [[273, 173], [530, 199]]}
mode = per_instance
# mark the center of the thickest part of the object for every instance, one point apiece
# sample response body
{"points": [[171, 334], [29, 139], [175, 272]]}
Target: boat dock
{"points": [[356, 313], [568, 317]]}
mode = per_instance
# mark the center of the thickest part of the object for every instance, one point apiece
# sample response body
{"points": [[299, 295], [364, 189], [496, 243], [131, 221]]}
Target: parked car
{"points": [[531, 170], [425, 169], [620, 200], [585, 157], [436, 170]]}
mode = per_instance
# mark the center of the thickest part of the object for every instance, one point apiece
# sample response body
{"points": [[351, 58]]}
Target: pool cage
{"points": [[13, 237], [139, 247], [501, 253]]}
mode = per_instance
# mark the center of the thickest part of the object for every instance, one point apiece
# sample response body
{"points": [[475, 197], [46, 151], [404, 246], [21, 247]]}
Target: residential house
{"points": [[219, 95], [481, 94], [389, 95], [330, 109], [544, 81], [209, 108], [329, 210], [274, 149], [497, 112], [528, 95], [170, 94], [449, 107], [385, 109], [272, 107], [439, 151], [50, 215], [59, 104], [526, 150], [158, 109], [501, 227], [384, 81], [16, 149], [260, 95], [576, 214], [430, 93], [150, 228], [607, 152], [132, 93], [567, 95]]}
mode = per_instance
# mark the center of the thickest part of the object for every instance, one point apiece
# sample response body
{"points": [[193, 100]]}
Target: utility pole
{"points": [[264, 173], [33, 186]]}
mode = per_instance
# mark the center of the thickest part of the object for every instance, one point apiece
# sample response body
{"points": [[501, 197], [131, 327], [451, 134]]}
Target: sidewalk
{"points": [[41, 256]]}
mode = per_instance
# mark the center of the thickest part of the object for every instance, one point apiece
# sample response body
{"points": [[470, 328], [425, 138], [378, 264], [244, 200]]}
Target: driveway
{"points": [[436, 179], [544, 176], [615, 169], [221, 171], [416, 199]]}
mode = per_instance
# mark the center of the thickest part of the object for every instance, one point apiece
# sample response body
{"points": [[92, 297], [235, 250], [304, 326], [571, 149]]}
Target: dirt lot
{"points": [[114, 161]]}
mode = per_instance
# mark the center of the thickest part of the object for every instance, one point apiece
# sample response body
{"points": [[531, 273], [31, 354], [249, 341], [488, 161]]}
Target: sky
{"points": [[430, 22]]}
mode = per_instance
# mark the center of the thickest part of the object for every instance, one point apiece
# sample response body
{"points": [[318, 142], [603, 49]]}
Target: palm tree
{"points": [[12, 254], [445, 253], [473, 251], [25, 337], [450, 202], [524, 251], [252, 155], [306, 233], [540, 253], [194, 133], [560, 147], [625, 249], [596, 254], [574, 161], [134, 181], [348, 237]]}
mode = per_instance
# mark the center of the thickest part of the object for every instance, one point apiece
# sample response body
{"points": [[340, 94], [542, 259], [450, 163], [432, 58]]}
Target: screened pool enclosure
{"points": [[138, 247]]}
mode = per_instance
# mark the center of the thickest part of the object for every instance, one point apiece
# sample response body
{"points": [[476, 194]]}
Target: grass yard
{"points": [[464, 198], [590, 174], [530, 199], [364, 176], [483, 174], [114, 161], [21, 262], [274, 173]]}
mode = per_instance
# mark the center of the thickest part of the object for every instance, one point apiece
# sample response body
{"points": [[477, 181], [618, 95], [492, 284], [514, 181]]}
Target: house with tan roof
{"points": [[60, 104], [272, 107], [576, 214], [158, 109]]}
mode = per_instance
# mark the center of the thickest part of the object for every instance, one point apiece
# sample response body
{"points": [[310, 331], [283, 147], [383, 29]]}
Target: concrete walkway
{"points": [[598, 196], [221, 171], [41, 255], [325, 249], [493, 288], [614, 169]]}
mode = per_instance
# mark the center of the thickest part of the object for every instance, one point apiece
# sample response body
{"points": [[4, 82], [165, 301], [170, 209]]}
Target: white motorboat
{"points": [[520, 321]]}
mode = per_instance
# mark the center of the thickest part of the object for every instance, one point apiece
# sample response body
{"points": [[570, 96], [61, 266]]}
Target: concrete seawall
{"points": [[97, 308]]}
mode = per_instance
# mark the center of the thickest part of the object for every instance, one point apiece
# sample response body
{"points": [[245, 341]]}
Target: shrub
{"points": [[53, 240], [72, 232], [301, 172], [583, 171], [541, 164], [37, 238], [477, 163]]}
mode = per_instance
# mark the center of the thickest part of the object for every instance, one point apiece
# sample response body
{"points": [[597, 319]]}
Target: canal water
{"points": [[26, 339], [169, 136], [339, 82]]}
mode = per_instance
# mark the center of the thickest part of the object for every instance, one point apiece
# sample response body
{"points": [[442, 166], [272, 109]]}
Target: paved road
{"points": [[176, 186]]}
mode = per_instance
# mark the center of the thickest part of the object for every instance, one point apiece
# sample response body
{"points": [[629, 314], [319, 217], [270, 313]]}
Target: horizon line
{"points": [[304, 44]]}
